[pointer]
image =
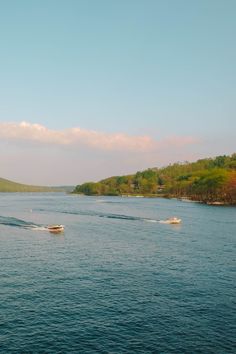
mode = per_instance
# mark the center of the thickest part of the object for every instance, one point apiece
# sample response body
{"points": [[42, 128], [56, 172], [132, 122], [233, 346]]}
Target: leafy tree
{"points": [[231, 188], [208, 186], [89, 188]]}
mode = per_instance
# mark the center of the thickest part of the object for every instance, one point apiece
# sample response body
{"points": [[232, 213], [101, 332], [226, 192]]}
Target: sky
{"points": [[95, 88]]}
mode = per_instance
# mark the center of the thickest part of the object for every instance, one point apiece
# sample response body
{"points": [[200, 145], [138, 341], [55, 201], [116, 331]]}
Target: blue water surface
{"points": [[117, 280]]}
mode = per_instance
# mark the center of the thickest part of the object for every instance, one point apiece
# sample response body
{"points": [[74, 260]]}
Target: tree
{"points": [[231, 188], [209, 185], [89, 188]]}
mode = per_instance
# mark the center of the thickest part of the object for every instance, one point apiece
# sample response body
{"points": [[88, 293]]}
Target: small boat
{"points": [[173, 220], [55, 228]]}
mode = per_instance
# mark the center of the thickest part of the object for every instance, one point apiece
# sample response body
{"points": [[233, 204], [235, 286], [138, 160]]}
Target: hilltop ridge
{"points": [[10, 186]]}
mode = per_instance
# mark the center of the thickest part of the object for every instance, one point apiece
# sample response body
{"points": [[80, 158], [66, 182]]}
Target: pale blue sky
{"points": [[138, 67]]}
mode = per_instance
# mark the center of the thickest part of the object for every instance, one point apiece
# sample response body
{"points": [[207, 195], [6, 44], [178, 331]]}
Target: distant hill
{"points": [[9, 186], [210, 180], [67, 189]]}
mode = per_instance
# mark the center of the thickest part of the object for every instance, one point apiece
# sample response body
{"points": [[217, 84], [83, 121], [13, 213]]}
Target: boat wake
{"points": [[172, 220], [151, 220], [11, 221], [39, 228], [14, 222], [111, 216], [120, 217]]}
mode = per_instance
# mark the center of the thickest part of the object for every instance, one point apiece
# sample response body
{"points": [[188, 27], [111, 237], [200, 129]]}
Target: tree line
{"points": [[209, 180]]}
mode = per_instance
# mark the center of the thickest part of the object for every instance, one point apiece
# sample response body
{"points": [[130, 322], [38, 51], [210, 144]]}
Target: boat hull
{"points": [[55, 228]]}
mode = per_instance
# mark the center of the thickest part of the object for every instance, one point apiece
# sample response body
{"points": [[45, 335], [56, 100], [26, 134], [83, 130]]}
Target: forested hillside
{"points": [[210, 180]]}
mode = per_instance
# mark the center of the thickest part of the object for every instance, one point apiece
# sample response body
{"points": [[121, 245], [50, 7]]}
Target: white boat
{"points": [[172, 220], [55, 228]]}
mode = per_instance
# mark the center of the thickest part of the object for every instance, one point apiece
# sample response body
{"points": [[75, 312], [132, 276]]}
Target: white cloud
{"points": [[91, 155], [37, 133]]}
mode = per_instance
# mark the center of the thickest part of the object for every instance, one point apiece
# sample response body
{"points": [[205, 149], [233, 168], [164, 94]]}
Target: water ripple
{"points": [[115, 284]]}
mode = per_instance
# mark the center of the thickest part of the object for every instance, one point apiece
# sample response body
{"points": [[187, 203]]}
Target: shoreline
{"points": [[183, 199]]}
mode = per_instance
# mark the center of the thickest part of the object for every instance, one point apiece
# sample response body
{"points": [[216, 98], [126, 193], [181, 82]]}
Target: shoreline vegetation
{"points": [[211, 181]]}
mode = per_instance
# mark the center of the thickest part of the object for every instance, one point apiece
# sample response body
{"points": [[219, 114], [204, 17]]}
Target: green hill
{"points": [[210, 180], [9, 186]]}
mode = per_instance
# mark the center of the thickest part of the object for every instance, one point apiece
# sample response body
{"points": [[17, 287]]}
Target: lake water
{"points": [[117, 280]]}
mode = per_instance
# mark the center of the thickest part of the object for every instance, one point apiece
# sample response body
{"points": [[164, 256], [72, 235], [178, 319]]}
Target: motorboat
{"points": [[55, 228], [172, 220]]}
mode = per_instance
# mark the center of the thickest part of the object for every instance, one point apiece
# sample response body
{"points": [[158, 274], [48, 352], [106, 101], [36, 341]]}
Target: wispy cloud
{"points": [[84, 154], [37, 133]]}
